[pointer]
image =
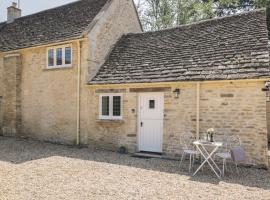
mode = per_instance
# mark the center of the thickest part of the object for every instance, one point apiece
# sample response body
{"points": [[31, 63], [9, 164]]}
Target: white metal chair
{"points": [[188, 148], [238, 156], [231, 142]]}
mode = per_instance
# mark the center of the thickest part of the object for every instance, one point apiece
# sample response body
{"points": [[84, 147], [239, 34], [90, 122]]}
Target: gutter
{"points": [[44, 45], [78, 93], [162, 82]]}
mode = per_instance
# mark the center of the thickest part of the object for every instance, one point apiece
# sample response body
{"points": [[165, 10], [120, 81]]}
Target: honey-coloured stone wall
{"points": [[231, 108]]}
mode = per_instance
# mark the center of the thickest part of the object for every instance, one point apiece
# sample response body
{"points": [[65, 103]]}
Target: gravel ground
{"points": [[35, 170]]}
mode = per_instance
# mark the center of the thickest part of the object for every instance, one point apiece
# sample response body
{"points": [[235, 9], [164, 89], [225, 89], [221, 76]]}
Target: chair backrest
{"points": [[238, 154], [224, 139], [234, 141], [186, 140]]}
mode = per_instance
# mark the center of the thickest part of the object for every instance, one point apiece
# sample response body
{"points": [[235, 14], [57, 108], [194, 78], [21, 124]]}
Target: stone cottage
{"points": [[46, 60], [84, 73]]}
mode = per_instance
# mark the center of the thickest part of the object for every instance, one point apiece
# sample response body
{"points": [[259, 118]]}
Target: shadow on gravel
{"points": [[19, 151]]}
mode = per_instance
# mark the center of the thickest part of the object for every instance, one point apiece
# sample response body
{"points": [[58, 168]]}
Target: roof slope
{"points": [[49, 26], [234, 47]]}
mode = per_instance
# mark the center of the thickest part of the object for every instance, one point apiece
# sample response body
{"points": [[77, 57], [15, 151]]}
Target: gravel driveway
{"points": [[35, 170]]}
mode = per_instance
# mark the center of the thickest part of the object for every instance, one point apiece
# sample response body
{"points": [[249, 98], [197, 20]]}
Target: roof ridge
{"points": [[201, 22], [57, 7]]}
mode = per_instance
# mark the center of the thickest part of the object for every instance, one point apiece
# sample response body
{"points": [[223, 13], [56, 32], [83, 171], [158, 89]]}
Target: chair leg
{"points": [[183, 155], [223, 168], [193, 159], [226, 167], [237, 170], [190, 162]]}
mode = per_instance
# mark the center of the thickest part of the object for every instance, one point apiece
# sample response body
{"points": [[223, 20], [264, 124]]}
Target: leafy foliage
{"points": [[160, 14]]}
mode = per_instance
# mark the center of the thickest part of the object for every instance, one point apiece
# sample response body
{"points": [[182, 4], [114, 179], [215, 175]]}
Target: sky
{"points": [[31, 6]]}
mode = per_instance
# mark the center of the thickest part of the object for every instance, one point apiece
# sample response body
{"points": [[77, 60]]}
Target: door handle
{"points": [[141, 124]]}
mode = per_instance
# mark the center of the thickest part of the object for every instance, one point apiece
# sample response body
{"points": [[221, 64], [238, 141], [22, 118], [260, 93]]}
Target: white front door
{"points": [[151, 116]]}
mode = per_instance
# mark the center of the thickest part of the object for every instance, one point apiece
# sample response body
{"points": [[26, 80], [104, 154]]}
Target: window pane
{"points": [[68, 55], [51, 57], [59, 56], [152, 104], [116, 106], [105, 106]]}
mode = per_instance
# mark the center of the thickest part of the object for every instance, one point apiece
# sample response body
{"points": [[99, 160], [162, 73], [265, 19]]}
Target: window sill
{"points": [[110, 121], [57, 68]]}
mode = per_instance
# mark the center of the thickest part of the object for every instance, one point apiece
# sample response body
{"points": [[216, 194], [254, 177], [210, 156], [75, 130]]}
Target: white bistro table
{"points": [[203, 147]]}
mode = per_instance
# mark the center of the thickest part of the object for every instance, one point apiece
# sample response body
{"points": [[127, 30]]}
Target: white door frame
{"points": [[139, 120]]}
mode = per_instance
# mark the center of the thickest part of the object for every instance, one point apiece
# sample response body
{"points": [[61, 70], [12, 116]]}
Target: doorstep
{"points": [[147, 155]]}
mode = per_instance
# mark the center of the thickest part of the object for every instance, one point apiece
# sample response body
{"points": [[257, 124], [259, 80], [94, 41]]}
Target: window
{"points": [[68, 55], [111, 106], [105, 106], [152, 104], [51, 57], [117, 106], [59, 57]]}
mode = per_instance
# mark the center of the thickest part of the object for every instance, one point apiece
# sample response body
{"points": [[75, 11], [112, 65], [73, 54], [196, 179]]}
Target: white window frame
{"points": [[55, 66], [110, 117]]}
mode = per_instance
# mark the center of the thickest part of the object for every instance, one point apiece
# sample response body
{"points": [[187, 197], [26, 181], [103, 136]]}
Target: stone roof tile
{"points": [[49, 26], [234, 47]]}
